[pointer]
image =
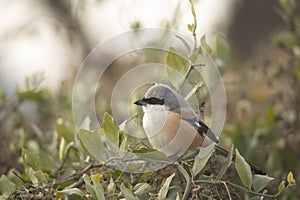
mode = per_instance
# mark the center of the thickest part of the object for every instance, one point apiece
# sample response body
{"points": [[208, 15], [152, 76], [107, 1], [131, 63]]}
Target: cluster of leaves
{"points": [[62, 163], [63, 170]]}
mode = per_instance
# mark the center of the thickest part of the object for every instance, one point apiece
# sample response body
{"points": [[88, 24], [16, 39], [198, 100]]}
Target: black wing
{"points": [[202, 129]]}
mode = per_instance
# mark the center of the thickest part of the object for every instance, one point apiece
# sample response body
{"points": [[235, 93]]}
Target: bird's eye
{"points": [[154, 101]]}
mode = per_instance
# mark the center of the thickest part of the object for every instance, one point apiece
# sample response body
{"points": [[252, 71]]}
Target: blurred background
{"points": [[256, 45]]}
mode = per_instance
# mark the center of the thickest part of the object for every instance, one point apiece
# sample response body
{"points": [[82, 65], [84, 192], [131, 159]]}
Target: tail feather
{"points": [[225, 153]]}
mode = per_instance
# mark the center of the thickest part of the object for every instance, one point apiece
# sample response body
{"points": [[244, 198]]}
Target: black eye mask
{"points": [[153, 101]]}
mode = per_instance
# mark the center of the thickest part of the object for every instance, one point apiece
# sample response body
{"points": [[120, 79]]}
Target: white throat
{"points": [[154, 119]]}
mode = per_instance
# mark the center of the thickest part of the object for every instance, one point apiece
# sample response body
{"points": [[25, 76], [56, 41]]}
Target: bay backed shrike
{"points": [[173, 127], [170, 123]]}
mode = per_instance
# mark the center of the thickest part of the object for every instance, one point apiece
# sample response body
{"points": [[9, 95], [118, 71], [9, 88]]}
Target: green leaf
{"points": [[111, 188], [111, 129], [175, 61], [38, 132], [243, 169], [123, 141], [69, 192], [183, 172], [286, 38], [152, 155], [290, 179], [142, 190], [98, 187], [223, 49], [287, 5], [64, 130], [205, 47], [41, 176], [128, 194], [65, 184], [177, 67], [191, 27], [38, 160], [174, 191], [260, 182], [187, 179], [89, 187], [92, 144], [6, 186], [31, 95], [226, 164], [165, 188], [200, 161], [281, 186]]}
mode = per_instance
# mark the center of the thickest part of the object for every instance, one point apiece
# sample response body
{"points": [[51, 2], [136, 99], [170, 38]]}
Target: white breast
{"points": [[154, 119]]}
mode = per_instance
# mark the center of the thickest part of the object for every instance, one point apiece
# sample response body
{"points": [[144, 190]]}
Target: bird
{"points": [[173, 127]]}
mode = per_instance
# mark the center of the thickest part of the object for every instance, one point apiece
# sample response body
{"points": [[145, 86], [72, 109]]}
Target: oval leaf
{"points": [[6, 186], [200, 162], [92, 144], [260, 182], [128, 194], [226, 164], [111, 129], [243, 169], [177, 62], [281, 186], [165, 188], [71, 191]]}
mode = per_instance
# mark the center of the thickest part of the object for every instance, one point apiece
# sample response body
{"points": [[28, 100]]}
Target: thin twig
{"points": [[227, 189]]}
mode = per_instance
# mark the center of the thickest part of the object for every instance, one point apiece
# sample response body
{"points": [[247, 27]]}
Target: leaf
{"points": [[128, 194], [6, 186], [183, 172], [206, 49], [175, 61], [191, 27], [38, 132], [64, 184], [281, 186], [226, 164], [165, 188], [69, 192], [290, 179], [200, 162], [38, 160], [152, 155], [287, 5], [111, 129], [32, 95], [41, 177], [286, 38], [64, 130], [98, 187], [62, 149], [111, 188], [186, 177], [243, 169], [177, 67], [123, 141], [142, 190], [88, 186], [223, 49], [92, 144], [174, 191], [260, 182]]}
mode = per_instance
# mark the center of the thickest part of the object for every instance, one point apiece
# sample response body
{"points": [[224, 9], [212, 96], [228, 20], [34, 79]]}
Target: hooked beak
{"points": [[140, 102]]}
